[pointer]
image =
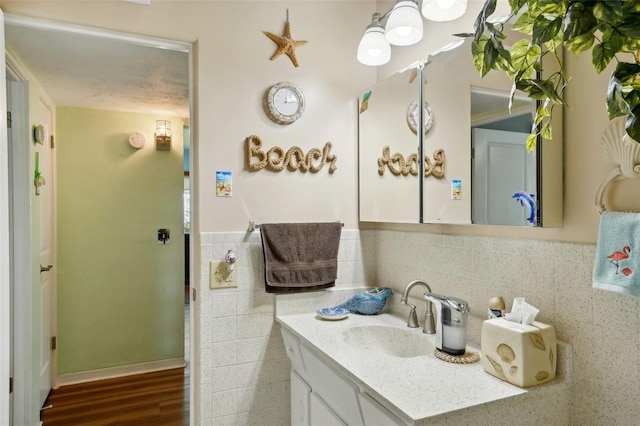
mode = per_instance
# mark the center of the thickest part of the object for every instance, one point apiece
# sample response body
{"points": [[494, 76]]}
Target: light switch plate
{"points": [[219, 277]]}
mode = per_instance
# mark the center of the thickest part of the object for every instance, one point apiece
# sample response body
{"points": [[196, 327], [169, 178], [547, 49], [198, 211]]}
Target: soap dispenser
{"points": [[451, 323]]}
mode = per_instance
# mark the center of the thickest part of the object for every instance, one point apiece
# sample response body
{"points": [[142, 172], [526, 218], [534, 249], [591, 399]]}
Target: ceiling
{"points": [[89, 71]]}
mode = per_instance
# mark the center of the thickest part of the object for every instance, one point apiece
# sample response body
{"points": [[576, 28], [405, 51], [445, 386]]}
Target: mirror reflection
{"points": [[388, 151], [503, 172], [477, 168]]}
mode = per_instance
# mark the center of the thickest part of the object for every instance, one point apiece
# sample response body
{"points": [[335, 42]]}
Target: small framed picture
{"points": [[223, 184], [456, 189]]}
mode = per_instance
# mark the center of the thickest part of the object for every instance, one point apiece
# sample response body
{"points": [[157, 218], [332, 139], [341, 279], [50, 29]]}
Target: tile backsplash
{"points": [[244, 370]]}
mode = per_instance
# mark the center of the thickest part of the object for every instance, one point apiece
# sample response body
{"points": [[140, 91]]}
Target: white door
{"points": [[43, 213], [5, 271], [501, 167], [20, 184]]}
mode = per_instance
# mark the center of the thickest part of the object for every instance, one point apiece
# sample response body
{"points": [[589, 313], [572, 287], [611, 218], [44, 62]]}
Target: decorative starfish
{"points": [[286, 44]]}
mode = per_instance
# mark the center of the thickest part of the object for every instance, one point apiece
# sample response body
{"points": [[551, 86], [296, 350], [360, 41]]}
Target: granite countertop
{"points": [[414, 388]]}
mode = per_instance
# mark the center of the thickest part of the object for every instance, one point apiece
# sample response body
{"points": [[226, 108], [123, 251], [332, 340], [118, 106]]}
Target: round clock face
{"points": [[285, 103], [412, 116]]}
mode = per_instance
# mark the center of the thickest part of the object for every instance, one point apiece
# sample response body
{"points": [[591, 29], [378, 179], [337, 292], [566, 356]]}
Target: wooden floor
{"points": [[160, 398]]}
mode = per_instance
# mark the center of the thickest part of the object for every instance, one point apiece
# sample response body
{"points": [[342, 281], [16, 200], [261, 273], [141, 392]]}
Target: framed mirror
{"points": [[477, 170]]}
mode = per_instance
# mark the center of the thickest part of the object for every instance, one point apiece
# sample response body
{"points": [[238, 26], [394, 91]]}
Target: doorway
{"points": [[27, 32]]}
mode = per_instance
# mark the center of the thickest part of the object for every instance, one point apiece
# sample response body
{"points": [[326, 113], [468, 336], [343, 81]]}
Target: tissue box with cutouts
{"points": [[523, 355]]}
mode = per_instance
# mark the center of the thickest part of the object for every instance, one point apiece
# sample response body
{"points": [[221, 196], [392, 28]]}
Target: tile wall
{"points": [[244, 370]]}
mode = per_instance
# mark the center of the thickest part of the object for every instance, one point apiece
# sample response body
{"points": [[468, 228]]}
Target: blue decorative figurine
{"points": [[368, 303]]}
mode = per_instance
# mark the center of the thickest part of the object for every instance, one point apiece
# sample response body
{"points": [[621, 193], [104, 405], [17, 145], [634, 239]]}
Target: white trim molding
{"points": [[120, 371]]}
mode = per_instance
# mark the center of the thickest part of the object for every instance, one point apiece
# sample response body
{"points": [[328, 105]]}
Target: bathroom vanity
{"points": [[373, 370]]}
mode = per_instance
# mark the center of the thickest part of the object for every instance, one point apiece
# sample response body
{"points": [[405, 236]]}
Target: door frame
{"points": [[142, 40], [21, 271]]}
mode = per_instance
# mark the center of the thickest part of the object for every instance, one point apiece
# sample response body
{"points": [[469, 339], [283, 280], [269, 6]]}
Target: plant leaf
{"points": [[532, 139], [481, 21], [627, 73], [616, 103], [548, 7], [546, 132], [516, 5], [609, 11], [631, 26], [633, 124], [490, 57], [581, 43], [539, 89], [545, 29], [524, 58], [603, 53], [630, 7], [477, 50], [579, 27], [524, 23]]}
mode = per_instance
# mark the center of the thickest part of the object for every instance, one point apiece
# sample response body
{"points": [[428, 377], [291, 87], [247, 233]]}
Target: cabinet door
{"points": [[300, 392], [375, 414], [321, 414]]}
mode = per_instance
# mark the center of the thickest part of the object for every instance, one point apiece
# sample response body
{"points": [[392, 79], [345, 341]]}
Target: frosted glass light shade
{"points": [[404, 25], [443, 10], [374, 49]]}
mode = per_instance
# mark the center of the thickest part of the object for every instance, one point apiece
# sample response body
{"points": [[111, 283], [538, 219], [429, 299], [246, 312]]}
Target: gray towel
{"points": [[300, 256]]}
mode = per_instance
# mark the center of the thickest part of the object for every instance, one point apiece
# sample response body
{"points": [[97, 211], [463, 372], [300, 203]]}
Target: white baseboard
{"points": [[119, 371]]}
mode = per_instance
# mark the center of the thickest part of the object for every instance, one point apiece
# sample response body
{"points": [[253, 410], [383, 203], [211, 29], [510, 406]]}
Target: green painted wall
{"points": [[120, 293]]}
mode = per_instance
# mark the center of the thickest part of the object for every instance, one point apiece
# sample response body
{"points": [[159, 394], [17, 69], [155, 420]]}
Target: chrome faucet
{"points": [[429, 324]]}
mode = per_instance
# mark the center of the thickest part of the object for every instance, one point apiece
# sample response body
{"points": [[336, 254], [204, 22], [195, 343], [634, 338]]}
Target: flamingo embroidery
{"points": [[619, 255]]}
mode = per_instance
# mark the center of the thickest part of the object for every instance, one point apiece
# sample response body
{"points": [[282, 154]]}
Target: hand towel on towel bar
{"points": [[300, 256], [617, 264]]}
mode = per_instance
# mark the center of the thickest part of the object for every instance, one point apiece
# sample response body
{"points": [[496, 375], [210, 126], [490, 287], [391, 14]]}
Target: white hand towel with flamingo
{"points": [[617, 263]]}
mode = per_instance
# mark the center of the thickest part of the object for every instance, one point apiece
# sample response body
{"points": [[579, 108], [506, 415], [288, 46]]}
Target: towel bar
{"points": [[254, 226]]}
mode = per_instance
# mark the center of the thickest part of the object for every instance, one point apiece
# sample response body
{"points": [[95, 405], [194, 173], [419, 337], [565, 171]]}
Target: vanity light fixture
{"points": [[443, 10], [374, 49], [404, 27], [163, 134], [404, 24]]}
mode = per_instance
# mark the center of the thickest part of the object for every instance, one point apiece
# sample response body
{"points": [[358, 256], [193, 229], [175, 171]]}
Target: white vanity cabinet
{"points": [[322, 414], [322, 396], [300, 395]]}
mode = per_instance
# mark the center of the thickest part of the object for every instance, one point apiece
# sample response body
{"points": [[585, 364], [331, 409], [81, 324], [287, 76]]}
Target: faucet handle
{"points": [[412, 322], [429, 322]]}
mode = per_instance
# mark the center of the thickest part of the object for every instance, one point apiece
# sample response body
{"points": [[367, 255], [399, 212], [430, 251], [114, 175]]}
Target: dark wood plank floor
{"points": [[160, 398]]}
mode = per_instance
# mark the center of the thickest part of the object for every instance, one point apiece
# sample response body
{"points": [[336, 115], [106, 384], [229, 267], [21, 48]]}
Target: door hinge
{"points": [[54, 343], [9, 120], [52, 140], [194, 294], [10, 384]]}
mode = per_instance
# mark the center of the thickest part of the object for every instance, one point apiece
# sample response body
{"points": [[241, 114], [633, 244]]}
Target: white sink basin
{"points": [[393, 341]]}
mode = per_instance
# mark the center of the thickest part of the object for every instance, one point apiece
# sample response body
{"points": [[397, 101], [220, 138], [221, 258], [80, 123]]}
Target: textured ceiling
{"points": [[87, 71]]}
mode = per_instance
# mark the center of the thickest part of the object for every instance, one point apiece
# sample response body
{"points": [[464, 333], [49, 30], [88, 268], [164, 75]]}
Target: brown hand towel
{"points": [[300, 256]]}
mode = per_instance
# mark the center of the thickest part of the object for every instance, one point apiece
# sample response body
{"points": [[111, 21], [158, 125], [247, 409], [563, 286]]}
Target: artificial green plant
{"points": [[610, 29]]}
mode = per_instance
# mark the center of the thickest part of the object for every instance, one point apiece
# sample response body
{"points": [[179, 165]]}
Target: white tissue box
{"points": [[523, 355]]}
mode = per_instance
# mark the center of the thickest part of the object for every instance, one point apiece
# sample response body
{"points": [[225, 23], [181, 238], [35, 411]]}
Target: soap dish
{"points": [[333, 313]]}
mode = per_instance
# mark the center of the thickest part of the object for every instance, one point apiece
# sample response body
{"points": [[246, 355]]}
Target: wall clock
{"points": [[412, 116], [284, 102]]}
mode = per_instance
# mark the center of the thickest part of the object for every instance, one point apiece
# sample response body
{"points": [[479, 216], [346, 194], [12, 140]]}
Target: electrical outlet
{"points": [[220, 277]]}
